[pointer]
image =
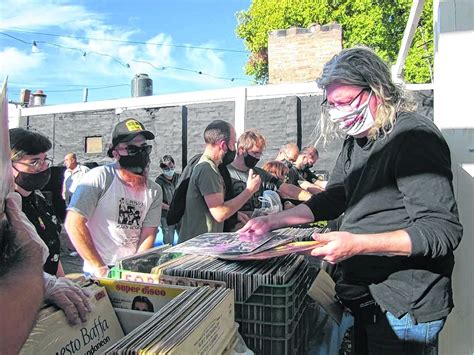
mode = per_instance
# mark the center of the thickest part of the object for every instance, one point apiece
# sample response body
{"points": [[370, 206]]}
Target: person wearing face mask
{"points": [[250, 147], [206, 209], [288, 155], [168, 181], [307, 180], [116, 209], [392, 182], [31, 171]]}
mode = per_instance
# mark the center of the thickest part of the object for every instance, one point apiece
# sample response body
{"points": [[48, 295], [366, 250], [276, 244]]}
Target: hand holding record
{"points": [[336, 246]]}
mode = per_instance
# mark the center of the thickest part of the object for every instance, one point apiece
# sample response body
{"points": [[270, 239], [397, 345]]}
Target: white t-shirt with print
{"points": [[115, 212]]}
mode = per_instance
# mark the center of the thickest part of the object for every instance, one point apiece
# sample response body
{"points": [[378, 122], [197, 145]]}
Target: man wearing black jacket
{"points": [[393, 182]]}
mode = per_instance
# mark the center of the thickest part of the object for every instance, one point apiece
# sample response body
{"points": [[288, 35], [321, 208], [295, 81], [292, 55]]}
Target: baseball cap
{"points": [[126, 130]]}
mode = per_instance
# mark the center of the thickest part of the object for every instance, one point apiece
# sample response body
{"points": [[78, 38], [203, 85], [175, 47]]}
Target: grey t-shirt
{"points": [[205, 180], [115, 212]]}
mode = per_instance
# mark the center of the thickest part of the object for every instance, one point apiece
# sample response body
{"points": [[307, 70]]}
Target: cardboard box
{"points": [[130, 295], [53, 335]]}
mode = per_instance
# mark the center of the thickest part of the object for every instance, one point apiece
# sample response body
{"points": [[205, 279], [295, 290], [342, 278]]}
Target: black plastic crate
{"points": [[289, 344], [275, 304], [270, 329]]}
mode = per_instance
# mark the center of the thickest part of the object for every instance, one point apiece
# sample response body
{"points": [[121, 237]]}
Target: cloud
{"points": [[38, 14], [103, 42], [17, 61]]}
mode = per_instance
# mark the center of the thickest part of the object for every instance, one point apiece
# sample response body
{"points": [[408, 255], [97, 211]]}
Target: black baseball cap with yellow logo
{"points": [[126, 130]]}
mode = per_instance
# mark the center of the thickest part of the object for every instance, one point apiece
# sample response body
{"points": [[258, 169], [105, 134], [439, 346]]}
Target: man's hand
{"points": [[242, 217], [336, 246], [24, 230], [253, 181], [101, 271], [256, 227], [68, 296]]}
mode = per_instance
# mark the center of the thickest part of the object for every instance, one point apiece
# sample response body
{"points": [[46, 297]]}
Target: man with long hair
{"points": [[393, 183]]}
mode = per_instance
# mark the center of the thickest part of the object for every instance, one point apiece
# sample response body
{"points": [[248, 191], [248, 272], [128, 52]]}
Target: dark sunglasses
{"points": [[134, 149]]}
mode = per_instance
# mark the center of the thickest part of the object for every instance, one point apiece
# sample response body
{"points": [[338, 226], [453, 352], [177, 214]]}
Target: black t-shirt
{"points": [[399, 182], [239, 183], [41, 215]]}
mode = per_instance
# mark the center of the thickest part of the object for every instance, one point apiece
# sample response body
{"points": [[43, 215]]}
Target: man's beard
{"points": [[132, 179]]}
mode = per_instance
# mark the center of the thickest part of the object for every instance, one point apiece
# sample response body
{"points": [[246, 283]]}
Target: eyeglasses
{"points": [[36, 164], [134, 149], [346, 107]]}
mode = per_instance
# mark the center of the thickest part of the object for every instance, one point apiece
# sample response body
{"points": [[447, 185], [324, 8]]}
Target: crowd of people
{"points": [[391, 186]]}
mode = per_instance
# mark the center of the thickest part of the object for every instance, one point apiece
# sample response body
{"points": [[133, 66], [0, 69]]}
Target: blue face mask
{"points": [[169, 173]]}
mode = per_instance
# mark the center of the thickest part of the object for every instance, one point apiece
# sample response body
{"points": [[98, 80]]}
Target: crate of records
{"points": [[270, 294]]}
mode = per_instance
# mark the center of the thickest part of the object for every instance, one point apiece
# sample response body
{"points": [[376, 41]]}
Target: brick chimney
{"points": [[299, 54]]}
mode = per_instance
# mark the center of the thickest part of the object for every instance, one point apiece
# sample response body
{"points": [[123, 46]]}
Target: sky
{"points": [[170, 40]]}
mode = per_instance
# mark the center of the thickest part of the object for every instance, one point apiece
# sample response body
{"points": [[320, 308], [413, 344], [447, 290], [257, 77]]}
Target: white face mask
{"points": [[169, 173], [355, 122]]}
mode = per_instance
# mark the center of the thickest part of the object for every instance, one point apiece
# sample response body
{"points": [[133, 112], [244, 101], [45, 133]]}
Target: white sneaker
{"points": [[73, 253]]}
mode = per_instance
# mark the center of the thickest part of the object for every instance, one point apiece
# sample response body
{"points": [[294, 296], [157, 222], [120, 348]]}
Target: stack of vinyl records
{"points": [[198, 321], [243, 277], [146, 260], [235, 246]]}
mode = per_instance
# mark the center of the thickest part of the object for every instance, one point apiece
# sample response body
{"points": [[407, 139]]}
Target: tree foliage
{"points": [[378, 24]]}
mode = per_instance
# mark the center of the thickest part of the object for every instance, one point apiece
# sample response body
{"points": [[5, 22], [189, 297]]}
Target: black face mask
{"points": [[32, 182], [135, 163], [228, 156], [250, 161]]}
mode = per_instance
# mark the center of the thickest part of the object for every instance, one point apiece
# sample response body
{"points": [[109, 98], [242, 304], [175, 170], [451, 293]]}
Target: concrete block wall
{"points": [[299, 54], [179, 129]]}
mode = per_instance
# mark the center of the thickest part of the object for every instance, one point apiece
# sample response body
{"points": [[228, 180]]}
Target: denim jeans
{"points": [[389, 335], [168, 231]]}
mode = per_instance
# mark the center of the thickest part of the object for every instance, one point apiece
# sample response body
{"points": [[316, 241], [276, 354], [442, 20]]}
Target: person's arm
{"points": [[315, 188], [221, 210], [60, 271], [81, 238], [21, 275], [63, 189], [300, 214], [147, 238], [338, 246], [423, 173], [21, 296], [294, 192]]}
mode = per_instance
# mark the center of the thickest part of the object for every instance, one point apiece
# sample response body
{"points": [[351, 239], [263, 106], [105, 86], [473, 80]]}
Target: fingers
{"points": [[72, 299], [244, 218], [245, 228]]}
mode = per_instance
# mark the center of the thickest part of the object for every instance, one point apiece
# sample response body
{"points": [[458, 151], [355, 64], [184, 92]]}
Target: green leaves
{"points": [[378, 24]]}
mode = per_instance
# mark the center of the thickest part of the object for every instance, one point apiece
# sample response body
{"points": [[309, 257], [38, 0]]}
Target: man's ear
{"points": [[223, 145], [114, 154]]}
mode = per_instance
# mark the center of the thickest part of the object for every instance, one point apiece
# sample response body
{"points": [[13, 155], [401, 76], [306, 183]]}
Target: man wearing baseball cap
{"points": [[116, 209]]}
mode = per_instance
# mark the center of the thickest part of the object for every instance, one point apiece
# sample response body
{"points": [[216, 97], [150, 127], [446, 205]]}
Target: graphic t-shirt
{"points": [[115, 212]]}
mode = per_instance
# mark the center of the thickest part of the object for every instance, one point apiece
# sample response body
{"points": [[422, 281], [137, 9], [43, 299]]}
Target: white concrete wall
{"points": [[454, 114]]}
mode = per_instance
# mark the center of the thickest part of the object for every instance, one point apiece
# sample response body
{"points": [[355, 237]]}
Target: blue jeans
{"points": [[389, 335], [168, 231]]}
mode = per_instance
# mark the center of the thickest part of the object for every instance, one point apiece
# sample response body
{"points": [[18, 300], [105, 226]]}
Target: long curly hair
{"points": [[360, 66]]}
